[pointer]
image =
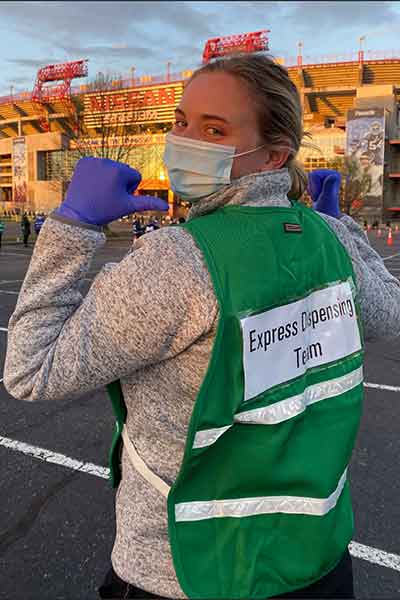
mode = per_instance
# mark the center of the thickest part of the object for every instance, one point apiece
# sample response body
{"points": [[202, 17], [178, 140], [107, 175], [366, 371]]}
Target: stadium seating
{"points": [[331, 75], [381, 72]]}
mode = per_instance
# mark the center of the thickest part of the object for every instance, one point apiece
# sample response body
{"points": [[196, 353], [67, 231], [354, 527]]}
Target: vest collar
{"points": [[269, 188]]}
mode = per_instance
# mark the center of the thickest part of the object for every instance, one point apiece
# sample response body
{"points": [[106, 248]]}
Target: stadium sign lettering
{"points": [[132, 100], [120, 119], [118, 140], [365, 113]]}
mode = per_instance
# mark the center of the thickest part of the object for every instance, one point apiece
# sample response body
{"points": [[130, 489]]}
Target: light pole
{"points": [[299, 54], [168, 70], [133, 75], [360, 51]]}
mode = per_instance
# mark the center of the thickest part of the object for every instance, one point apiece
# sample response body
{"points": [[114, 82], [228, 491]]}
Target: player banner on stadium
{"points": [[366, 142], [19, 170]]}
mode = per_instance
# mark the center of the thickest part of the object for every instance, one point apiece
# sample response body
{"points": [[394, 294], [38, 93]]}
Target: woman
{"points": [[243, 383], [26, 229]]}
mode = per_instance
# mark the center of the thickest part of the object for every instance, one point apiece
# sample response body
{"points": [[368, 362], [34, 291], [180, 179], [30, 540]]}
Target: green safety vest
{"points": [[261, 505]]}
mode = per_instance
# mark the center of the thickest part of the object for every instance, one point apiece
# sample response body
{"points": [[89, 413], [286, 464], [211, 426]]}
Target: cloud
{"points": [[186, 56], [21, 79], [110, 51], [17, 83], [31, 62], [324, 18], [121, 46], [143, 34], [118, 35], [103, 20]]}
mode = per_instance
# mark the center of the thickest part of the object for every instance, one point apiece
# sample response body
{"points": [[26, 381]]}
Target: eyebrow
{"points": [[205, 116]]}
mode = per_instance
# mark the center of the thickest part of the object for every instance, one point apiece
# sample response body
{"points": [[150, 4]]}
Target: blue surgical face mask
{"points": [[197, 169]]}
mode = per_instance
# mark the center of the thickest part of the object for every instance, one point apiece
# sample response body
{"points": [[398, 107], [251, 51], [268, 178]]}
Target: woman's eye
{"points": [[213, 131], [179, 124]]}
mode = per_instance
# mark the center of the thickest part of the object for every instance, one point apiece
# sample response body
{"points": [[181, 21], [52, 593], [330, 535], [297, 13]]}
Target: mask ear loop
{"points": [[248, 151], [292, 152]]}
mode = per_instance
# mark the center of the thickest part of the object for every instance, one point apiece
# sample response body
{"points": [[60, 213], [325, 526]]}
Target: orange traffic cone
{"points": [[389, 238]]}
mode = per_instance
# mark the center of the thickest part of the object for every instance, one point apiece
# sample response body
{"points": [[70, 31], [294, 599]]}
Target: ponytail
{"points": [[299, 179]]}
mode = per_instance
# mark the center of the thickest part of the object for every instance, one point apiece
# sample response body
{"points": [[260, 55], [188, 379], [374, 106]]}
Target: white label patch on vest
{"points": [[280, 344]]}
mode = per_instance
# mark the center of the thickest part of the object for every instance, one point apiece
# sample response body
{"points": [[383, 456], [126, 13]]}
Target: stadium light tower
{"points": [[42, 94], [255, 41], [360, 51], [299, 54]]}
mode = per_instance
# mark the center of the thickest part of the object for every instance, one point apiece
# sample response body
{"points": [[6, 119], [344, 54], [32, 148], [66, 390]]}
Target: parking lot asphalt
{"points": [[57, 507]]}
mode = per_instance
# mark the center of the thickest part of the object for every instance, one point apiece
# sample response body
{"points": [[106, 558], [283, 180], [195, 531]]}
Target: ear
{"points": [[277, 159]]}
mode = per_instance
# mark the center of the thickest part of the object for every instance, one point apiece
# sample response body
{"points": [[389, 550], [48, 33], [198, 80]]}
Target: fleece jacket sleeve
{"points": [[145, 309]]}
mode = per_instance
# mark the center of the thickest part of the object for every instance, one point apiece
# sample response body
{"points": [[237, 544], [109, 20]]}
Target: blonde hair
{"points": [[277, 102]]}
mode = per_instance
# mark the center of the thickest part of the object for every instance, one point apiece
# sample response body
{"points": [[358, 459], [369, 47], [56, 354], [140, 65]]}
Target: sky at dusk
{"points": [[116, 36]]}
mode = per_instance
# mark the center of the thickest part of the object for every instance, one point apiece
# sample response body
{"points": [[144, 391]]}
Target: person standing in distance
{"points": [[38, 224], [233, 481], [137, 229], [2, 229], [25, 229]]}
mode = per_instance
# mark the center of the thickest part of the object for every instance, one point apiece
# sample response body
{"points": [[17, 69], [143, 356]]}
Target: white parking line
{"points": [[368, 553], [15, 254], [379, 386], [54, 457], [391, 256], [9, 292], [374, 555], [4, 329], [10, 281]]}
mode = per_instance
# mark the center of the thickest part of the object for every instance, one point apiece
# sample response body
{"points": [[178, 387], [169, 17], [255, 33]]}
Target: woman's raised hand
{"points": [[324, 189], [101, 192]]}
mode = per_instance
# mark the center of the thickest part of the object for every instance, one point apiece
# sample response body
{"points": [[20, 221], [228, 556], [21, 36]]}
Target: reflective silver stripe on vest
{"points": [[289, 408], [208, 436], [285, 409], [247, 507]]}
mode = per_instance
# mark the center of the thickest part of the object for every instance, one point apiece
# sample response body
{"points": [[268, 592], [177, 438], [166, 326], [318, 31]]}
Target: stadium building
{"points": [[350, 106]]}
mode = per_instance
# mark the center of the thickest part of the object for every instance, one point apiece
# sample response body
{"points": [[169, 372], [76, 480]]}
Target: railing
{"points": [[322, 59], [123, 83], [128, 82], [290, 61], [15, 97]]}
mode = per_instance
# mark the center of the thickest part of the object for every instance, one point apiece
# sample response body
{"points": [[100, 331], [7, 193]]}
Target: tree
{"points": [[109, 134], [113, 133], [356, 183]]}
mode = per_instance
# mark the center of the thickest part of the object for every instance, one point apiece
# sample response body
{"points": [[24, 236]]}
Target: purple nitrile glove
{"points": [[101, 192], [324, 189]]}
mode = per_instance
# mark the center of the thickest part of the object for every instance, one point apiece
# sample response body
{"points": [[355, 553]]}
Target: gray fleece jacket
{"points": [[156, 336]]}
